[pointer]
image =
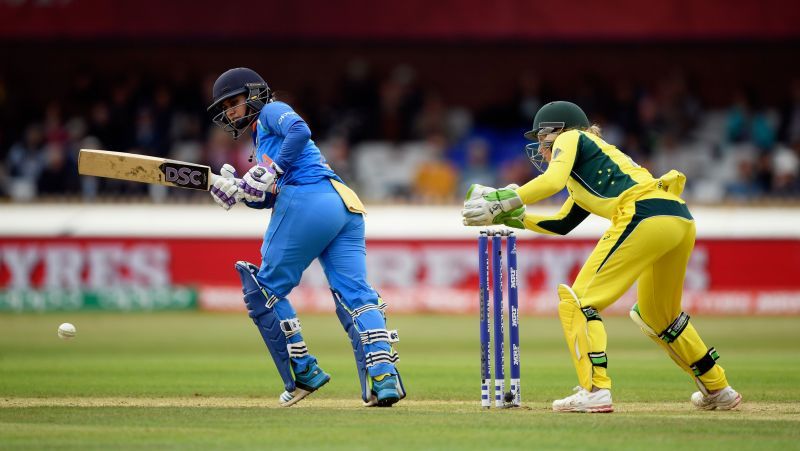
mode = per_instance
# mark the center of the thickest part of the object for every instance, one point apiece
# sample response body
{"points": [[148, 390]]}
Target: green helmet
{"points": [[552, 118], [556, 116]]}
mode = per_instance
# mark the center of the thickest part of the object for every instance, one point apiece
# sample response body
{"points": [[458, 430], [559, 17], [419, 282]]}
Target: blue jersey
{"points": [[301, 159], [311, 220]]}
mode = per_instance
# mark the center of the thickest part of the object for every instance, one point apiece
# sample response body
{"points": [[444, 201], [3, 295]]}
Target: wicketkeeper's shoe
{"points": [[585, 401], [385, 390], [725, 399], [305, 383]]}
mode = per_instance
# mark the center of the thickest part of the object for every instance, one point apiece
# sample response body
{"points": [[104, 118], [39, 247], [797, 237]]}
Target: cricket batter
{"points": [[649, 241], [314, 215]]}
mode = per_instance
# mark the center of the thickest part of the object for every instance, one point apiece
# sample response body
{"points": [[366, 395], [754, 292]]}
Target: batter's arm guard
{"points": [[561, 223], [259, 307]]}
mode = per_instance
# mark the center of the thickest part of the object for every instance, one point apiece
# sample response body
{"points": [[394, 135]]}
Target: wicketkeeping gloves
{"points": [[487, 206], [516, 218]]}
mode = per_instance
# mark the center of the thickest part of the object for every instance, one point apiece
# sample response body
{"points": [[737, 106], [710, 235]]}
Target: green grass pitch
{"points": [[198, 380]]}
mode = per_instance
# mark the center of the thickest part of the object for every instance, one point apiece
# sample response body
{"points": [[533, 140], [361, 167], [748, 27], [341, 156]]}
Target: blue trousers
{"points": [[308, 222]]}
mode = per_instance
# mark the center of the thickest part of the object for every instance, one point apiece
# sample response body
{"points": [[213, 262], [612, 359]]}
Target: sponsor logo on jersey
{"points": [[285, 115]]}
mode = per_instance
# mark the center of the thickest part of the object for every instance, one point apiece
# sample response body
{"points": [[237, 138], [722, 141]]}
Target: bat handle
{"points": [[212, 179]]}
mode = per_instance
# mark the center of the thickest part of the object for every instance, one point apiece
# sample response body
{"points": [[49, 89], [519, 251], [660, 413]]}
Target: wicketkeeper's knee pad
{"points": [[360, 339], [586, 339], [275, 332]]}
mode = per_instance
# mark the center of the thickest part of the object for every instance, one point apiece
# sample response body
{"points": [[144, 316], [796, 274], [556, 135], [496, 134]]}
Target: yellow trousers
{"points": [[649, 242]]}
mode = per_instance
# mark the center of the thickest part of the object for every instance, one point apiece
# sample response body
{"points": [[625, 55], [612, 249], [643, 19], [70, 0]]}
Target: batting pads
{"points": [[369, 358], [680, 339], [259, 308], [586, 339]]}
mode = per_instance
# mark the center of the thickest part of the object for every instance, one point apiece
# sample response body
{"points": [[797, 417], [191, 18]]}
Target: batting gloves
{"points": [[225, 187], [259, 181]]}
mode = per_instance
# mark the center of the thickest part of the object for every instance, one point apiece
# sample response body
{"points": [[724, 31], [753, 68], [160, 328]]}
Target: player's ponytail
{"points": [[595, 130]]}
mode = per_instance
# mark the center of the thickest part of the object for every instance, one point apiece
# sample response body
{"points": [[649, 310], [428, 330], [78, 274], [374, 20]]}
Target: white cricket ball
{"points": [[66, 331]]}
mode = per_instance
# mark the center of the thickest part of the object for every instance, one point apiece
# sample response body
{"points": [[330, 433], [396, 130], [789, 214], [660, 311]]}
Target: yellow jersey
{"points": [[600, 179]]}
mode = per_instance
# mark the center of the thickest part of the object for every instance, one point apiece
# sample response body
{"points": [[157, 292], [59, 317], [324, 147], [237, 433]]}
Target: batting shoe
{"points": [[585, 401], [725, 399], [307, 382], [384, 390]]}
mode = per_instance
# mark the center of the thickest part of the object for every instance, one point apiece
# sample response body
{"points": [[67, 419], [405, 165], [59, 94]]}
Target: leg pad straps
{"points": [[381, 308], [366, 360], [297, 350], [591, 314], [376, 335], [705, 363], [674, 330], [290, 327], [374, 358], [599, 359]]}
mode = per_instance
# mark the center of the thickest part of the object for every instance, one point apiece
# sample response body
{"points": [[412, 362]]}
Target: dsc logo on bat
{"points": [[185, 176]]}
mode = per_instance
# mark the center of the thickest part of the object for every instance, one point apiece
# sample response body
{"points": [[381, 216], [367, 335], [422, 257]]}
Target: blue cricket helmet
{"points": [[234, 82]]}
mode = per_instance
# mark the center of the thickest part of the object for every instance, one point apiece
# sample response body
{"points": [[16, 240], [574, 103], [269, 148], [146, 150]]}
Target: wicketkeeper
{"points": [[314, 215], [649, 241]]}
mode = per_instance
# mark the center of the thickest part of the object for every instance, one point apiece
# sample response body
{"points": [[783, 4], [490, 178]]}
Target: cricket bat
{"points": [[145, 169]]}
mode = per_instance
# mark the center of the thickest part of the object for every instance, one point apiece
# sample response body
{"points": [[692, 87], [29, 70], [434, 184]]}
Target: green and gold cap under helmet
{"points": [[556, 116]]}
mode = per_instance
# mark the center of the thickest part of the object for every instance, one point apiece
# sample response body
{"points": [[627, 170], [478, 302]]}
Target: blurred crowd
{"points": [[394, 139]]}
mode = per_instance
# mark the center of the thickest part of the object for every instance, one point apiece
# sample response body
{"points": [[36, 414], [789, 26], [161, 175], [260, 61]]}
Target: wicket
{"points": [[514, 397]]}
